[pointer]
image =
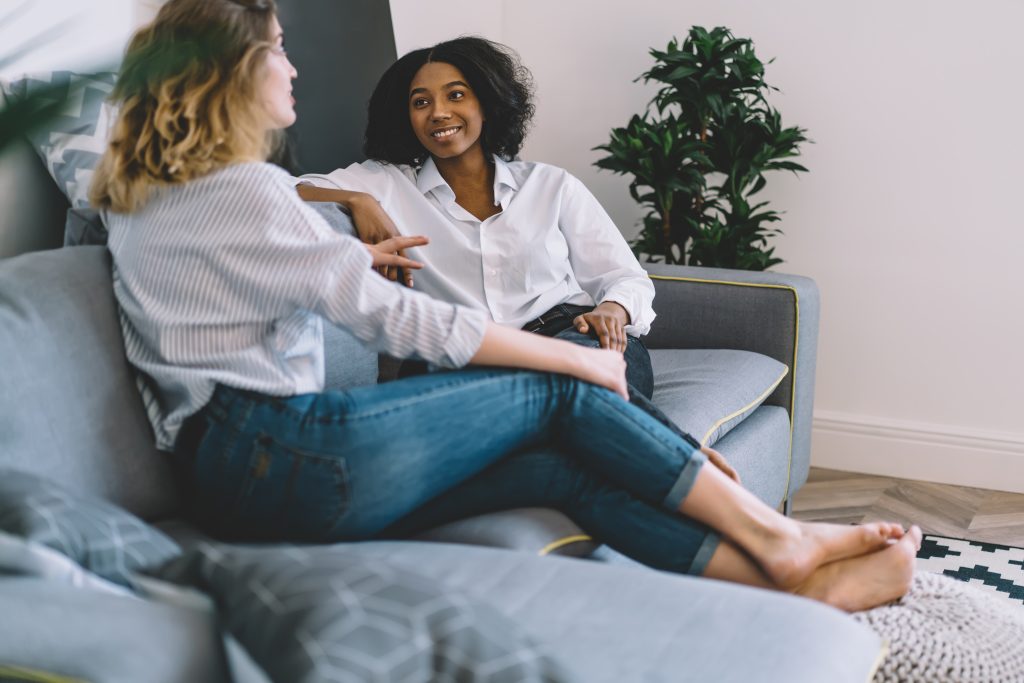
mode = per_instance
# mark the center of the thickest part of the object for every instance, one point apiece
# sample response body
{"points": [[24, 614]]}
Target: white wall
{"points": [[72, 35], [909, 219], [422, 24]]}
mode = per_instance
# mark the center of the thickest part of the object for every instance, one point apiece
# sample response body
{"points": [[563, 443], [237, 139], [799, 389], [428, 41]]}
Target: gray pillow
{"points": [[72, 143], [707, 392], [316, 613], [104, 539], [84, 226]]}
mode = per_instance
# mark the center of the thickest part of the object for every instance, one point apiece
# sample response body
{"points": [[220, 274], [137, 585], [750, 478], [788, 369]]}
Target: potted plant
{"points": [[699, 152]]}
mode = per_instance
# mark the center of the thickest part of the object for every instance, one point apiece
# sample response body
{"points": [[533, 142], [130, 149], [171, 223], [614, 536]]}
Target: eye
{"points": [[419, 102], [456, 95], [279, 49]]}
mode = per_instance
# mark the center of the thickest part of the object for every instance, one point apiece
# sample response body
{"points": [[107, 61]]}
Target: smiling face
{"points": [[276, 89], [444, 112]]}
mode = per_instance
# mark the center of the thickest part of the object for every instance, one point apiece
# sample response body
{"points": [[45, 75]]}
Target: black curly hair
{"points": [[501, 83]]}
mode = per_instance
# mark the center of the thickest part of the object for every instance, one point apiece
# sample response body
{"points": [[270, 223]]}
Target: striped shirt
{"points": [[224, 280]]}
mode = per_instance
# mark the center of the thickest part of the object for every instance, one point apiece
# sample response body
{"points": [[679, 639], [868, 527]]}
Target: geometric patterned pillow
{"points": [[71, 144], [108, 541], [318, 613]]}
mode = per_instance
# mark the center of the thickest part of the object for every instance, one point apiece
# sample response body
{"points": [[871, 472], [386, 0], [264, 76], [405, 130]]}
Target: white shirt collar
{"points": [[428, 179]]}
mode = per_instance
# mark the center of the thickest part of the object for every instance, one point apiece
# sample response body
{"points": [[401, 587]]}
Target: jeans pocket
{"points": [[287, 493]]}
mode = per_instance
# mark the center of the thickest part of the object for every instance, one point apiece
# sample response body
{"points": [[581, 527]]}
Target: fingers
{"points": [[407, 272], [608, 330], [610, 334], [401, 243], [391, 263]]}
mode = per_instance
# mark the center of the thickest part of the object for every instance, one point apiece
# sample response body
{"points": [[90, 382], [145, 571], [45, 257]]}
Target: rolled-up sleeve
{"points": [[602, 261]]}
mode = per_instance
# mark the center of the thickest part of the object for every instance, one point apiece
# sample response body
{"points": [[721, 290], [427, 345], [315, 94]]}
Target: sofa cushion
{"points": [[539, 531], [707, 392], [759, 450], [347, 363], [103, 538], [71, 144], [316, 613], [610, 624], [90, 635], [69, 407]]}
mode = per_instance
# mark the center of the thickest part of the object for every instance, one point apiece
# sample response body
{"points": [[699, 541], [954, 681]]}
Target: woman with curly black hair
{"points": [[524, 241]]}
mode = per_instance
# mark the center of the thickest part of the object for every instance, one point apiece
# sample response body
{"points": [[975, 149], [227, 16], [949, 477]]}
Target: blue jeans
{"points": [[407, 455]]}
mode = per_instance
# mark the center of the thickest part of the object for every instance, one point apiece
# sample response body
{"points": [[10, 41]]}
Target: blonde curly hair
{"points": [[188, 99]]}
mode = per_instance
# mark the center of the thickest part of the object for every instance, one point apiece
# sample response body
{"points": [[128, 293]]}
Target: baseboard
{"points": [[967, 457]]}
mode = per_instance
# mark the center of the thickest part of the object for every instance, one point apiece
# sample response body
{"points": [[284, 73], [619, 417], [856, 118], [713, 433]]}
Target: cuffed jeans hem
{"points": [[687, 478], [704, 553]]}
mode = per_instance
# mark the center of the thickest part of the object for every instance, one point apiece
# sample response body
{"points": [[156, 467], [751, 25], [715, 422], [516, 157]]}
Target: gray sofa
{"points": [[69, 413]]}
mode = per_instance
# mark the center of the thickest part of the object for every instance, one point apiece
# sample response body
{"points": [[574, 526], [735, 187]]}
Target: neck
{"points": [[470, 169]]}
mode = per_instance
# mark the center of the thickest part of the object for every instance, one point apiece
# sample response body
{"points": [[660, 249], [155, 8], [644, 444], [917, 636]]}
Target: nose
{"points": [[293, 73], [439, 110]]}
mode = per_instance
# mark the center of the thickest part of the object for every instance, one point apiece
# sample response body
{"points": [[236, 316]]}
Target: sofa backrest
{"points": [[32, 209], [69, 409]]}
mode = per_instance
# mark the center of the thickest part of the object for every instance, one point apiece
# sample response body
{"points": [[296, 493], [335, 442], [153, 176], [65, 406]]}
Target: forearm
{"points": [[346, 198], [509, 347]]}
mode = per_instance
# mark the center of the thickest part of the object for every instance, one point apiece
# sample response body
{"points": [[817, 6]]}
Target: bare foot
{"points": [[790, 558], [867, 581]]}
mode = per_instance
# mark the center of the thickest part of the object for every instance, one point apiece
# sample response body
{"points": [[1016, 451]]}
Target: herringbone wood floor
{"points": [[959, 511]]}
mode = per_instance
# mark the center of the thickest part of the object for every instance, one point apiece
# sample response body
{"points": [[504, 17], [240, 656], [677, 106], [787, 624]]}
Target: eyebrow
{"points": [[415, 91]]}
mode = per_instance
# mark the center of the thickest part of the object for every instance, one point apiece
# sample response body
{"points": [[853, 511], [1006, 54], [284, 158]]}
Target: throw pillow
{"points": [[21, 557], [72, 143], [318, 613], [707, 392], [104, 539], [84, 226]]}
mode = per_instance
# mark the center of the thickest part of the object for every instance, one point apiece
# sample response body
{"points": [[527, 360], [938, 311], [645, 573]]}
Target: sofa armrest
{"points": [[771, 313]]}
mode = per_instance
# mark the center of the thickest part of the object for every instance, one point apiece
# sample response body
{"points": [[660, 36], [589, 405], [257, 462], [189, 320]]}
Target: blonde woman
{"points": [[223, 277]]}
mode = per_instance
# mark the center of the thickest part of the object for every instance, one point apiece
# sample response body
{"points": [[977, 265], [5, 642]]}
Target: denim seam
{"points": [[687, 475], [432, 392]]}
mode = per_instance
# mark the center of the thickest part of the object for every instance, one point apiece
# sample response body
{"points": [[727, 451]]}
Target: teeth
{"points": [[446, 132]]}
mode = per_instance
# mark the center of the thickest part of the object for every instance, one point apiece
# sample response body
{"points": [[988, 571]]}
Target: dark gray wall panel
{"points": [[340, 48]]}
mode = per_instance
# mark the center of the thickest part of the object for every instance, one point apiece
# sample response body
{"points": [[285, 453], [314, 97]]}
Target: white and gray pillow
{"points": [[102, 538], [317, 613], [71, 144]]}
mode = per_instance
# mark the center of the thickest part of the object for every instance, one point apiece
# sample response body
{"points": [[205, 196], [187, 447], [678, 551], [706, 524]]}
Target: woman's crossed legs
{"points": [[349, 465]]}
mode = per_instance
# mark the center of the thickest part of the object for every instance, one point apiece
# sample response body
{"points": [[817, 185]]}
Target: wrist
{"points": [[354, 201], [616, 309]]}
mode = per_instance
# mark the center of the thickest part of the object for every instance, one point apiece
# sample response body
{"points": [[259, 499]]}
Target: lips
{"points": [[446, 132]]}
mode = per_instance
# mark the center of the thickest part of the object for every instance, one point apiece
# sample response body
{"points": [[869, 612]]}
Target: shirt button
{"points": [[494, 272]]}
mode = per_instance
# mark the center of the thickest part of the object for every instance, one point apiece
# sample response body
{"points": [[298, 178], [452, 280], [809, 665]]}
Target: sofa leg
{"points": [[787, 507]]}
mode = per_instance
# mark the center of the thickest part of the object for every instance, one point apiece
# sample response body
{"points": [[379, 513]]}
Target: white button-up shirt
{"points": [[551, 244]]}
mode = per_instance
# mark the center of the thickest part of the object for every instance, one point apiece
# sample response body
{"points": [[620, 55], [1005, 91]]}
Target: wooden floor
{"points": [[959, 511]]}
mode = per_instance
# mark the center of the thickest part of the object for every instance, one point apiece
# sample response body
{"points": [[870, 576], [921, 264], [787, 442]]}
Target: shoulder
{"points": [[365, 176], [538, 172]]}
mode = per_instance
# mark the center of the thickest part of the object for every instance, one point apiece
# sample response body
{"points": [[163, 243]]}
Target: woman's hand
{"points": [[603, 367], [375, 227], [389, 254], [719, 461], [608, 323]]}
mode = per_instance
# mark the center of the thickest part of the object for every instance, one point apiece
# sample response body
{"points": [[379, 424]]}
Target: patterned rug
{"points": [[995, 568]]}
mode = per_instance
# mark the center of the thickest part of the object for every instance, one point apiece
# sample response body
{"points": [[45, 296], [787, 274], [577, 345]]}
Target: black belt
{"points": [[560, 312]]}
